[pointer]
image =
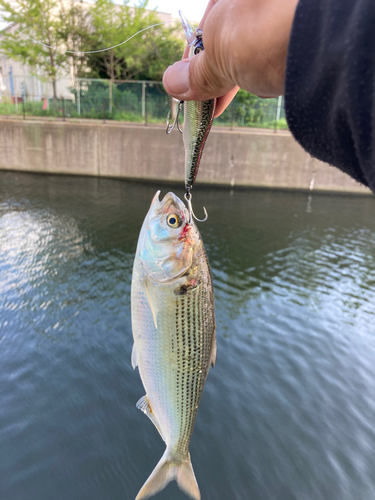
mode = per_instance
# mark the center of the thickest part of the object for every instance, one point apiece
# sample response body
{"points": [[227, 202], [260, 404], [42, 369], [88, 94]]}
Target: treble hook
{"points": [[176, 120], [188, 198]]}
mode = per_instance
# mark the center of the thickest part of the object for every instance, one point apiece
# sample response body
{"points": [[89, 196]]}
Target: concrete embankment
{"points": [[239, 157]]}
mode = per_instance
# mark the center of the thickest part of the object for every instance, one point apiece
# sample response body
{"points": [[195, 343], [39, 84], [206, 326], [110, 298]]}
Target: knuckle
{"points": [[204, 80]]}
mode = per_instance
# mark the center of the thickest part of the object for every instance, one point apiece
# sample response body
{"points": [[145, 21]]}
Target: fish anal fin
{"points": [[144, 405], [134, 357]]}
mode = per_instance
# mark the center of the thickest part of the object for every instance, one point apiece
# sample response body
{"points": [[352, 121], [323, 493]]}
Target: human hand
{"points": [[246, 44]]}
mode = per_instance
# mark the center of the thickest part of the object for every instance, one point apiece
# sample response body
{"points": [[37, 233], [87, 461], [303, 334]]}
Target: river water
{"points": [[288, 412]]}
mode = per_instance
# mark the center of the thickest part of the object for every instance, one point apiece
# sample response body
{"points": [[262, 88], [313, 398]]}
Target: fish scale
{"points": [[177, 355], [174, 335]]}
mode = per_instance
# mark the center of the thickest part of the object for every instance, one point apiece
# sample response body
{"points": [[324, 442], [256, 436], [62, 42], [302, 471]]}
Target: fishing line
{"points": [[90, 51]]}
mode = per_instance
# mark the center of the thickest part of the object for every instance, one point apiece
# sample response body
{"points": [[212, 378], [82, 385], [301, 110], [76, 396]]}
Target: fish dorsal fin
{"points": [[134, 357], [144, 405], [213, 353]]}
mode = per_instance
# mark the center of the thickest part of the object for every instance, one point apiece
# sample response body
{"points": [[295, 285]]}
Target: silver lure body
{"points": [[174, 335], [198, 118]]}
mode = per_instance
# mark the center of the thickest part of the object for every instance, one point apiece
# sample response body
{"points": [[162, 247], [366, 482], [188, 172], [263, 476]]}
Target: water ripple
{"points": [[288, 411]]}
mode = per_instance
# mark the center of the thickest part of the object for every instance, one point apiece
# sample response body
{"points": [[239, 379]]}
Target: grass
{"points": [[90, 111]]}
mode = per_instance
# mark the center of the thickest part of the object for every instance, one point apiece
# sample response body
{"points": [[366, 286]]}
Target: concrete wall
{"points": [[242, 157]]}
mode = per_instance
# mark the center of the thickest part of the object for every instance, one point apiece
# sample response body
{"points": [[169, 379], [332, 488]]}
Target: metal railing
{"points": [[131, 101]]}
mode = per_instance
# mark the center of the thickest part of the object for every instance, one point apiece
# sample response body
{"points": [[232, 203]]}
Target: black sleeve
{"points": [[330, 84]]}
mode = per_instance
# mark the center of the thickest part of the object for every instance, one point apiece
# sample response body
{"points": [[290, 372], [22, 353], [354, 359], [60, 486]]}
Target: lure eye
{"points": [[173, 220], [197, 50]]}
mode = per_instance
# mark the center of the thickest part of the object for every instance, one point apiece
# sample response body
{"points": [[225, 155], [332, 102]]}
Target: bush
{"points": [[246, 110]]}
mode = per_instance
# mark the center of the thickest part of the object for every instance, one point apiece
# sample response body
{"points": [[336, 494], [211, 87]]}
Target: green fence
{"points": [[137, 101]]}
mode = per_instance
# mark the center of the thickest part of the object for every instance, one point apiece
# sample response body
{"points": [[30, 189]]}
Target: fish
{"points": [[198, 115], [174, 331]]}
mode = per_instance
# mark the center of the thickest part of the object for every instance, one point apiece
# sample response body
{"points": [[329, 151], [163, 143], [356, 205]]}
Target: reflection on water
{"points": [[288, 411]]}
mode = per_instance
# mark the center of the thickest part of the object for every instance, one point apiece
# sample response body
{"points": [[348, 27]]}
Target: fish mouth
{"points": [[170, 199], [155, 199]]}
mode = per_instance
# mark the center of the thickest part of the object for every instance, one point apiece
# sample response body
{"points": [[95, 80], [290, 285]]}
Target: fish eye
{"points": [[173, 220], [197, 50]]}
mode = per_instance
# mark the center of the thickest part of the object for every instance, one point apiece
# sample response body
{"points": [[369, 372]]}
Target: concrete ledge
{"points": [[239, 157]]}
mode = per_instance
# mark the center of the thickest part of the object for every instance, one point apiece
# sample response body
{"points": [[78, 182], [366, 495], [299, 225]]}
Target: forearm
{"points": [[330, 84]]}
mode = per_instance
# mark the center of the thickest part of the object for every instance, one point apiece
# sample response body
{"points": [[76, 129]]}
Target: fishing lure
{"points": [[198, 118]]}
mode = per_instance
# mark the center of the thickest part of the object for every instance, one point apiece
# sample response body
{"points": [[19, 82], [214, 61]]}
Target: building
{"points": [[19, 81]]}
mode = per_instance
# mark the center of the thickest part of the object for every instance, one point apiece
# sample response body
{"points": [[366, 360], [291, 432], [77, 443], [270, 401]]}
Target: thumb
{"points": [[195, 79]]}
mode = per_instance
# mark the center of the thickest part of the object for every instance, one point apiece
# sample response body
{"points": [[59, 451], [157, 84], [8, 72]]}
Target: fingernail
{"points": [[176, 78]]}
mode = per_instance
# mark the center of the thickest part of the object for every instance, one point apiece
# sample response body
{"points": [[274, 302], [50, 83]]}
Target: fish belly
{"points": [[174, 331]]}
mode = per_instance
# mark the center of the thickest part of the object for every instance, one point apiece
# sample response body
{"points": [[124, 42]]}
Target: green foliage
{"points": [[145, 56], [72, 25], [125, 99], [251, 111], [126, 105], [165, 49], [36, 19], [75, 26], [282, 124], [95, 97], [7, 108], [75, 32]]}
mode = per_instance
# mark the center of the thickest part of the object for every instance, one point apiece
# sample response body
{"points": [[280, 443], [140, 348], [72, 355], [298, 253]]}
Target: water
{"points": [[287, 414]]}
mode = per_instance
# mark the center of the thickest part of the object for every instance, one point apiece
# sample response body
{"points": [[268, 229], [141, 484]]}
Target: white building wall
{"points": [[25, 81]]}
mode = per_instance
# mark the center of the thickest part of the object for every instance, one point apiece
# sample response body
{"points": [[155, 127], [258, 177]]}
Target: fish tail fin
{"points": [[167, 470], [186, 481]]}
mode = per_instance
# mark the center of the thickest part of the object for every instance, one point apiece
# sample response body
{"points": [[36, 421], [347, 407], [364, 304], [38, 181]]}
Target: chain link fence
{"points": [[129, 101]]}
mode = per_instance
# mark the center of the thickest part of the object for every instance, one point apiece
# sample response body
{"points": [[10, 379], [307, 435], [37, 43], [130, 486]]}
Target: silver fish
{"points": [[198, 115], [173, 324]]}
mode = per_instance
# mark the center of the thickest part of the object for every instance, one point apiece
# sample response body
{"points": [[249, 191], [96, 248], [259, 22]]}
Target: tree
{"points": [[74, 26], [56, 23], [36, 19], [253, 109], [146, 55], [75, 32], [167, 48]]}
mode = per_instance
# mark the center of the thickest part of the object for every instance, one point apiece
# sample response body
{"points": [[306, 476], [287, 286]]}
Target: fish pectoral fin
{"points": [[153, 307], [134, 357], [213, 353], [144, 405]]}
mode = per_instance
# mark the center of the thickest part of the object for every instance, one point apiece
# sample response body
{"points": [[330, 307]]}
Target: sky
{"points": [[193, 9]]}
